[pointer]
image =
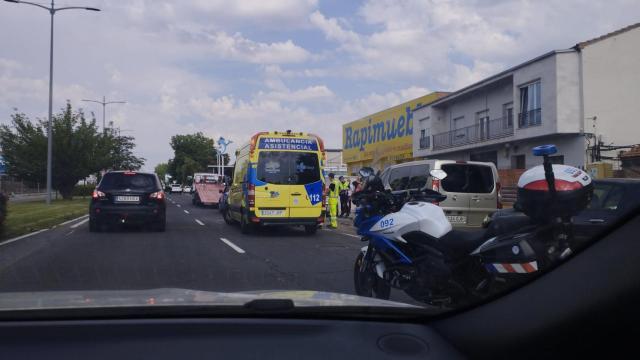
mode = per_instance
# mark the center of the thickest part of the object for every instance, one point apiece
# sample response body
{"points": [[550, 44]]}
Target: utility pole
{"points": [[52, 10], [104, 104]]}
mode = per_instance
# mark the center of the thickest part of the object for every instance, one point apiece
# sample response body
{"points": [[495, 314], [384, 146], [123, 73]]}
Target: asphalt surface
{"points": [[197, 251]]}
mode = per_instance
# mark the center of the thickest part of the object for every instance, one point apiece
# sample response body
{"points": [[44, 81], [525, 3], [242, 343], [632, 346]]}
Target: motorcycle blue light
{"points": [[544, 150]]}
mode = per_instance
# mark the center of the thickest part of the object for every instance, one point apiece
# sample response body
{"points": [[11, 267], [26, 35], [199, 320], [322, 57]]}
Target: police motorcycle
{"points": [[413, 247]]}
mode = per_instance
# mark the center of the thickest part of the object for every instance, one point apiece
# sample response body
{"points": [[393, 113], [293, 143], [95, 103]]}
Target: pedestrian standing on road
{"points": [[334, 191], [344, 197]]}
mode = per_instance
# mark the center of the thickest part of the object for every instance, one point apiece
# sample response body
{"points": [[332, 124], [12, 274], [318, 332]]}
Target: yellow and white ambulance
{"points": [[278, 180]]}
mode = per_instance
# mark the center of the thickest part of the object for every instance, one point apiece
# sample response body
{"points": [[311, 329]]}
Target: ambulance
{"points": [[278, 180]]}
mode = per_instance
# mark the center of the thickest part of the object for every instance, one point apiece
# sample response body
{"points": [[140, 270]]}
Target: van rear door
{"points": [[471, 193], [305, 185], [455, 186], [272, 189]]}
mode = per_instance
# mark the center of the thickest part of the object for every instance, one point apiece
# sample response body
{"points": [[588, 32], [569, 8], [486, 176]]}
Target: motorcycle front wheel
{"points": [[368, 283]]}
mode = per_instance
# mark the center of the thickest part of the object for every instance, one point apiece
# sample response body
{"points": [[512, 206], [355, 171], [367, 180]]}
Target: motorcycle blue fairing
{"points": [[379, 242]]}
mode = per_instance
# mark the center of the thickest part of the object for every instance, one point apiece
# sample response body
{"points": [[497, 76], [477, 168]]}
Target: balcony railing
{"points": [[425, 142], [486, 130], [530, 118]]}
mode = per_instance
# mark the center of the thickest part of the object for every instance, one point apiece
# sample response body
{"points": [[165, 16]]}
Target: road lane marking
{"points": [[355, 236], [179, 205], [186, 212], [22, 237], [232, 245], [199, 222], [72, 220], [69, 233], [79, 223]]}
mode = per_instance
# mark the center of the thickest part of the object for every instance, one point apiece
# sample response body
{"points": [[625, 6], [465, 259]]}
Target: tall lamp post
{"points": [[52, 10], [104, 104]]}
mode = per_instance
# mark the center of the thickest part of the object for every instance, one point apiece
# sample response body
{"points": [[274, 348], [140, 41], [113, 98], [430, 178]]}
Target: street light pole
{"points": [[52, 10], [104, 104]]}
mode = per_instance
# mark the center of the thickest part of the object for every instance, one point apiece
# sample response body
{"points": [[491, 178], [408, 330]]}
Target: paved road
{"points": [[197, 251]]}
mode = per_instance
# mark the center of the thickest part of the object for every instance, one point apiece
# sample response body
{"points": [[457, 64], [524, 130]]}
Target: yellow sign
{"points": [[385, 134]]}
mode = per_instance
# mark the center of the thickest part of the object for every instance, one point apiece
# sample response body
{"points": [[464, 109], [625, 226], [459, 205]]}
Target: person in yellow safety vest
{"points": [[334, 194]]}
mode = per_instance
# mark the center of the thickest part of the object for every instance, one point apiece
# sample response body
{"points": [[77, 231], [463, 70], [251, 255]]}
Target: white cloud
{"points": [[236, 47], [311, 93]]}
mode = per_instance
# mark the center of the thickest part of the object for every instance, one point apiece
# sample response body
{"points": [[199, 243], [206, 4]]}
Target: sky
{"points": [[234, 68]]}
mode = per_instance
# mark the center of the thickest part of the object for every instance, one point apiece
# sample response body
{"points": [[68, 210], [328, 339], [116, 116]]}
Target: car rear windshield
{"points": [[468, 178], [132, 181], [285, 167], [409, 177]]}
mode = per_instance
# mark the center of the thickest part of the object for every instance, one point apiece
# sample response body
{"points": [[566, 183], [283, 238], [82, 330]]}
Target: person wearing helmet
{"points": [[334, 194]]}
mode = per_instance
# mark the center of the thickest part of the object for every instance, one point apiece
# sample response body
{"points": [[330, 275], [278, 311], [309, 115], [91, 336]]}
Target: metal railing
{"points": [[425, 142], [483, 131], [530, 118]]}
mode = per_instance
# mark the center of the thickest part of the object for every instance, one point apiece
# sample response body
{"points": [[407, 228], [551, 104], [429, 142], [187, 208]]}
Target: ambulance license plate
{"points": [[271, 212]]}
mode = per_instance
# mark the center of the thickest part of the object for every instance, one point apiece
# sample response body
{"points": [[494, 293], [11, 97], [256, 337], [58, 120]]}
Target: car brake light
{"points": [[129, 173], [96, 194], [159, 195], [498, 196], [251, 195]]}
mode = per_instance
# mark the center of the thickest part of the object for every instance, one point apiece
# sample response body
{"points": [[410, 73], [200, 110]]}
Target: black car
{"points": [[127, 197], [612, 200]]}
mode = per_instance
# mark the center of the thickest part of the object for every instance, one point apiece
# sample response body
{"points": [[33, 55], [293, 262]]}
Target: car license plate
{"points": [[127, 199], [456, 219], [271, 212]]}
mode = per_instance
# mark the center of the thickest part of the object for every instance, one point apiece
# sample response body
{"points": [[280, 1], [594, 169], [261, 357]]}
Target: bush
{"points": [[83, 190], [3, 210]]}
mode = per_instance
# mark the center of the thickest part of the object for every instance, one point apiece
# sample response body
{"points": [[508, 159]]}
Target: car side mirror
{"points": [[438, 174]]}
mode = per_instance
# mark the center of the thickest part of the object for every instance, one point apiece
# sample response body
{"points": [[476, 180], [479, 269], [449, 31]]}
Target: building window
{"points": [[518, 162], [425, 138], [482, 124], [530, 105], [507, 115]]}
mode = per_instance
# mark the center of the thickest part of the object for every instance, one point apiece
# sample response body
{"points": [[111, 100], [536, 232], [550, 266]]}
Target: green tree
{"points": [[162, 170], [192, 153], [79, 149]]}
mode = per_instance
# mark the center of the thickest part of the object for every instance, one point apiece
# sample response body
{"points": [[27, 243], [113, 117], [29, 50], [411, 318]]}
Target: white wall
{"points": [[571, 146], [611, 73], [568, 111]]}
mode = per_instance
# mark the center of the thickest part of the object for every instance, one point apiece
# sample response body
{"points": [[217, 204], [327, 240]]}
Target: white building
{"points": [[568, 98], [334, 163]]}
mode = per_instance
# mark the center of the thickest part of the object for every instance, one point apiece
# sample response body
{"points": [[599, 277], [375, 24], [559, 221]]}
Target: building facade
{"points": [[383, 138], [334, 163], [555, 98]]}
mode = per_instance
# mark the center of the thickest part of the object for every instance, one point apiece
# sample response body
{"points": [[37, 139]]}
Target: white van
{"points": [[472, 187]]}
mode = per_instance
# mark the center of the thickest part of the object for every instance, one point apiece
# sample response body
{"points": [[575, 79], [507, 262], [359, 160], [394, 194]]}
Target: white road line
{"points": [[72, 220], [355, 236], [199, 222], [232, 245], [69, 233], [22, 237], [79, 223], [186, 212], [179, 205]]}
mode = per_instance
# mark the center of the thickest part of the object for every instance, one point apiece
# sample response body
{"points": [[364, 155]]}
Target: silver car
{"points": [[472, 188]]}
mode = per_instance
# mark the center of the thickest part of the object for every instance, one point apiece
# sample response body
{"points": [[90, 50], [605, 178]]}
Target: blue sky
{"points": [[234, 68]]}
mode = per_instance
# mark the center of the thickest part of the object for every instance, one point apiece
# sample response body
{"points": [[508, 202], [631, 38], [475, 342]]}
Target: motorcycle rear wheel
{"points": [[369, 283]]}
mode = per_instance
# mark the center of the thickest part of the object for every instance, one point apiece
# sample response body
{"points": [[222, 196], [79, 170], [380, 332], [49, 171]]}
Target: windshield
{"points": [[216, 147], [124, 181], [282, 167]]}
